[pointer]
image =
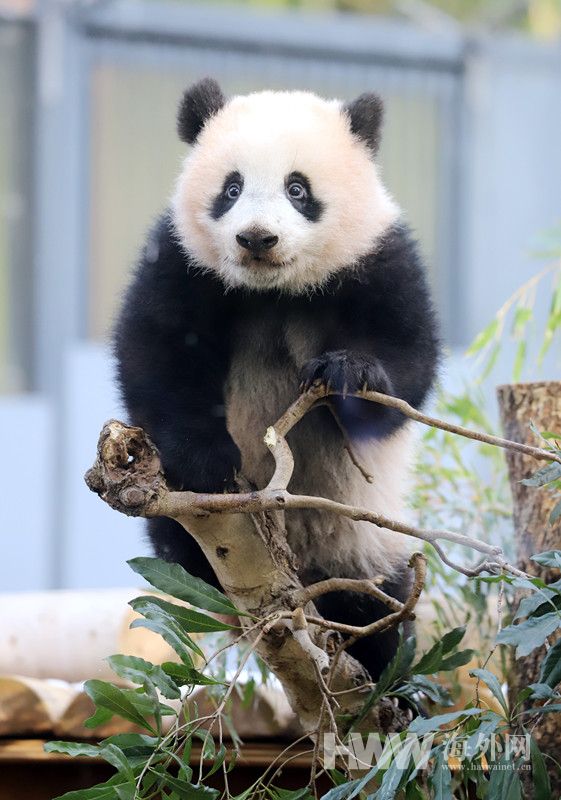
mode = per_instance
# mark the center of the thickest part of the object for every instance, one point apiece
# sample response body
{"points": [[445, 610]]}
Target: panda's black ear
{"points": [[366, 114], [200, 102]]}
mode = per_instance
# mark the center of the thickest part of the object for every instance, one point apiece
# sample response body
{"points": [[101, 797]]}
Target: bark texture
{"points": [[521, 404]]}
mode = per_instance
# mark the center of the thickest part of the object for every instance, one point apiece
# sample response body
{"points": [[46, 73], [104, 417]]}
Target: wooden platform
{"points": [[28, 773]]}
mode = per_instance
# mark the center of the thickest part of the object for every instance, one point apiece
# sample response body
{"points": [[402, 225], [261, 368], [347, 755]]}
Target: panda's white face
{"points": [[278, 193]]}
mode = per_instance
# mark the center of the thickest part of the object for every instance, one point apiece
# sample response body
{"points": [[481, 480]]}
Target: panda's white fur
{"points": [[306, 134], [256, 398]]}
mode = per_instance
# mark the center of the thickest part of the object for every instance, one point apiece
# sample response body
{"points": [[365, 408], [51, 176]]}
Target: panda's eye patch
{"points": [[299, 192], [232, 188]]}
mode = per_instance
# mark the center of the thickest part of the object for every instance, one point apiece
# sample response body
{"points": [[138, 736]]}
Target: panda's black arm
{"points": [[383, 335], [171, 350]]}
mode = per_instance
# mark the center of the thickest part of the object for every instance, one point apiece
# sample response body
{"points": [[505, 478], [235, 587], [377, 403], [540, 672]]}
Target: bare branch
{"points": [[419, 563], [366, 586]]}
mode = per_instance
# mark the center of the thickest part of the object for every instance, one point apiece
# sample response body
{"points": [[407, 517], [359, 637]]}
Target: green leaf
{"points": [[290, 794], [190, 791], [170, 633], [188, 676], [346, 791], [209, 748], [456, 660], [492, 682], [519, 361], [246, 794], [551, 472], [550, 558], [72, 748], [539, 602], [452, 639], [522, 316], [430, 662], [540, 777], [101, 791], [433, 661], [115, 700], [550, 671], [541, 691], [492, 358], [555, 514], [99, 717], [218, 761], [413, 792], [547, 709], [127, 792], [487, 724], [189, 620], [133, 744], [504, 782], [174, 580], [531, 633], [483, 338], [441, 778], [421, 725], [394, 777], [139, 671], [114, 756], [433, 690], [397, 668]]}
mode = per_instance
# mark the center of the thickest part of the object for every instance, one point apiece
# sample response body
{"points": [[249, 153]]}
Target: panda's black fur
{"points": [[173, 343]]}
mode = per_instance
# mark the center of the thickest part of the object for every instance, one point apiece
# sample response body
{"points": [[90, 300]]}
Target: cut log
{"points": [[520, 404]]}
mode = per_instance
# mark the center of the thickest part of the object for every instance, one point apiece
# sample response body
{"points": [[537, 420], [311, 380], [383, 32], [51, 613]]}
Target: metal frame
{"points": [[342, 36]]}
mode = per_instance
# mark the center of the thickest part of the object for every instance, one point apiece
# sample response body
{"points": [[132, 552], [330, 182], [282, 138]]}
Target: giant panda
{"points": [[283, 260]]}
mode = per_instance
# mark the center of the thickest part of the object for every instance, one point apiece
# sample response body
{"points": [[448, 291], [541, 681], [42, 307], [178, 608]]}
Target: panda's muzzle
{"points": [[257, 241]]}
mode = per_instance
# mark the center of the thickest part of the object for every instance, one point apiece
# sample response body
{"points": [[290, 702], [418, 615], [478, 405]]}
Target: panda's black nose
{"points": [[256, 240]]}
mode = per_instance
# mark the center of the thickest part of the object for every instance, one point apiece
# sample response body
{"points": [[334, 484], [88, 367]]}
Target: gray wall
{"points": [[472, 152]]}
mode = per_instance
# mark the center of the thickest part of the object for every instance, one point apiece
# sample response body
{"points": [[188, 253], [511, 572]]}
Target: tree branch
{"points": [[258, 572]]}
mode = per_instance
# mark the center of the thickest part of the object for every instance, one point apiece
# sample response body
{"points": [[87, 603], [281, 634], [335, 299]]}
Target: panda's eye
{"points": [[233, 191], [296, 191]]}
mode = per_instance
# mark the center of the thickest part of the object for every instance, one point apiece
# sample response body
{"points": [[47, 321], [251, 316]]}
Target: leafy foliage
{"points": [[465, 748]]}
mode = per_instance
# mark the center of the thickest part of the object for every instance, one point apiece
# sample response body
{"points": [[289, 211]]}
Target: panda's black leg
{"points": [[171, 542], [373, 652]]}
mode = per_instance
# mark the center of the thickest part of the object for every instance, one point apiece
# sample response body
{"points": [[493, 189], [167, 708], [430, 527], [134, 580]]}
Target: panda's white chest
{"points": [[267, 356]]}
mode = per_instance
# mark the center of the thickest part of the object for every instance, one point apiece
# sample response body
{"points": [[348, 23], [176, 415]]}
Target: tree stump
{"points": [[520, 404]]}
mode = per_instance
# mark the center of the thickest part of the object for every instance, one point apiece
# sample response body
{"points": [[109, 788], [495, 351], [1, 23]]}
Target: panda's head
{"points": [[281, 189]]}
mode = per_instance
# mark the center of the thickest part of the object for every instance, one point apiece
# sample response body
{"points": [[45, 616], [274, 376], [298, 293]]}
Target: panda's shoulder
{"points": [[397, 250], [167, 286], [396, 263]]}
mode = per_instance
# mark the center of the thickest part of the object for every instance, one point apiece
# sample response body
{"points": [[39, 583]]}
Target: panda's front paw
{"points": [[345, 372]]}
